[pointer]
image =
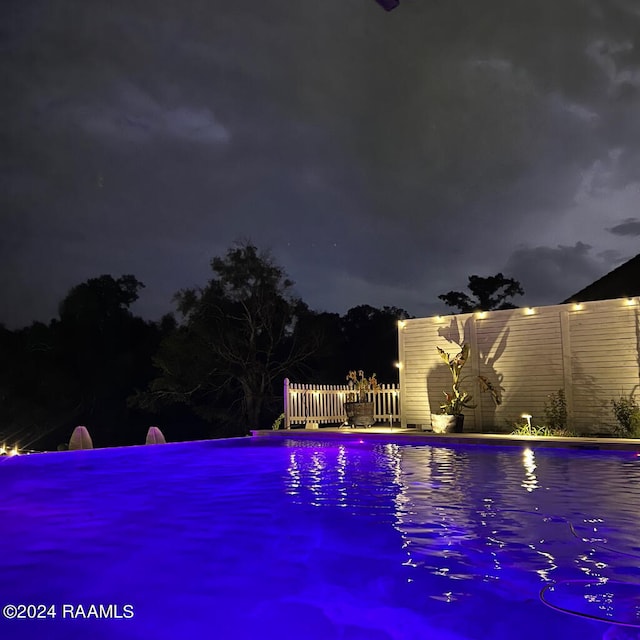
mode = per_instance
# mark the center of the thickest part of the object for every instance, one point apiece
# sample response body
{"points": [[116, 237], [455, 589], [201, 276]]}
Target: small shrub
{"points": [[627, 414], [564, 433], [555, 411], [277, 423], [526, 430]]}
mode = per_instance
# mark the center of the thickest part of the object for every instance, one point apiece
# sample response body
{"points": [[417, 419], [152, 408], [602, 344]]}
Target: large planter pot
{"points": [[359, 414], [443, 423]]}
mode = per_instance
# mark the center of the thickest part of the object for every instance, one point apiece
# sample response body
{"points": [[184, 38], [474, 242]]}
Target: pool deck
{"points": [[384, 433]]}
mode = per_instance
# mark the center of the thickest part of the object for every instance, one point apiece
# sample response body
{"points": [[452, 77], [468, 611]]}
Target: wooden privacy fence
{"points": [[590, 350], [325, 403]]}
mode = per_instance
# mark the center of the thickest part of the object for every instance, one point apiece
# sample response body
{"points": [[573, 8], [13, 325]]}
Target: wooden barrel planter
{"points": [[359, 414]]}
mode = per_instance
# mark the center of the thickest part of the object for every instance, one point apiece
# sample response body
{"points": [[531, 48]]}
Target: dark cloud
{"points": [[630, 227], [550, 274], [382, 158]]}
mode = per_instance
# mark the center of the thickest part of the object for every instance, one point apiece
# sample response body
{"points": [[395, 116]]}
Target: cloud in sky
{"points": [[137, 118], [630, 227], [382, 157], [554, 273]]}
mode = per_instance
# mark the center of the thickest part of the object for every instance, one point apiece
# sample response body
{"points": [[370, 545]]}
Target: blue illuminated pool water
{"points": [[253, 539]]}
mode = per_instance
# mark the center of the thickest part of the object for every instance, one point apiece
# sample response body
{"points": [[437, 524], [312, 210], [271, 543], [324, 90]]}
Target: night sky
{"points": [[381, 157]]}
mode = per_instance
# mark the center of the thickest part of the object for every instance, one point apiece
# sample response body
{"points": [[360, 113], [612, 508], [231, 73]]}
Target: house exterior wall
{"points": [[592, 351]]}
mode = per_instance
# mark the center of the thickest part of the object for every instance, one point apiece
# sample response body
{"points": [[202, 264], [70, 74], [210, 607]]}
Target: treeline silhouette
{"points": [[213, 368]]}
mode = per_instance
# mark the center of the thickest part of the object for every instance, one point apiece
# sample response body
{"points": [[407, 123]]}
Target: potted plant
{"points": [[358, 407], [451, 417]]}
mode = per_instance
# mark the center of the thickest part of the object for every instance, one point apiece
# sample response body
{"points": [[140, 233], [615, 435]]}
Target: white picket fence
{"points": [[324, 404]]}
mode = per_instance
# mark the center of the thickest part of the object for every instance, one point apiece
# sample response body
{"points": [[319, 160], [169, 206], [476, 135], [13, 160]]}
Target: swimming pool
{"points": [[349, 540]]}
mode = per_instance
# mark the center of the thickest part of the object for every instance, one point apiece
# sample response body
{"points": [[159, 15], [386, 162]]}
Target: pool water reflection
{"points": [[324, 539]]}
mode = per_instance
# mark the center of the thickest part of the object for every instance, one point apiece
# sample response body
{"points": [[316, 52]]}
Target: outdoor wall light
{"points": [[529, 311], [401, 324], [482, 315], [577, 306], [630, 301]]}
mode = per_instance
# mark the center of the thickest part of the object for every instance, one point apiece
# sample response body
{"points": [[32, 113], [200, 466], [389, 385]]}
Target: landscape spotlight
{"points": [[388, 5]]}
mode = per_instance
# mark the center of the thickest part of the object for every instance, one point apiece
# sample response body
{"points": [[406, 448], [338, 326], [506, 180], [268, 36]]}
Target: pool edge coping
{"points": [[486, 439]]}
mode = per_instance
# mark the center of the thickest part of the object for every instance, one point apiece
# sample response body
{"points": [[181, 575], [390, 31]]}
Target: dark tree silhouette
{"points": [[218, 370], [326, 365], [364, 338], [107, 351], [371, 340], [489, 293], [236, 342], [79, 369], [35, 391], [99, 301]]}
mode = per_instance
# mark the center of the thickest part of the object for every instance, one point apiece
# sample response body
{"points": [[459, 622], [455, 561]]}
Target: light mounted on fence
{"points": [[529, 311], [630, 301], [577, 307]]}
